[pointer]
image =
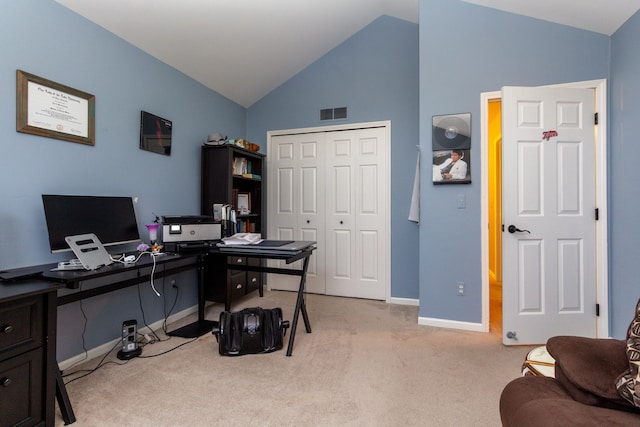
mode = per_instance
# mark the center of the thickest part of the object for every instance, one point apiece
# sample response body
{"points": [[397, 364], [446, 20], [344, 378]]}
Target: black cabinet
{"points": [[223, 284], [233, 176], [27, 354]]}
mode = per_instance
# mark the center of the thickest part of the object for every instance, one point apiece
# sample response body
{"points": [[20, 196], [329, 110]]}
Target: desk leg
{"points": [[200, 326], [63, 399], [300, 307]]}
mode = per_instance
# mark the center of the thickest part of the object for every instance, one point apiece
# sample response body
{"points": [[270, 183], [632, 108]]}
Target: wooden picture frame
{"points": [[244, 203], [53, 110]]}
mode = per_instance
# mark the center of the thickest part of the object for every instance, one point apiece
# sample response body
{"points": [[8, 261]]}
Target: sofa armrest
{"points": [[588, 368]]}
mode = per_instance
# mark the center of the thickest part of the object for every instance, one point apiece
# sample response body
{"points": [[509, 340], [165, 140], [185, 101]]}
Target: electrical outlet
{"points": [[460, 288]]}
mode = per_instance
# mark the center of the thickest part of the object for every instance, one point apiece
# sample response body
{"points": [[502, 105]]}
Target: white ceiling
{"points": [[243, 49]]}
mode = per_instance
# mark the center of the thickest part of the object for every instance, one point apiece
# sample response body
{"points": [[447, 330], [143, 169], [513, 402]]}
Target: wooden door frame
{"points": [[602, 267], [386, 124]]}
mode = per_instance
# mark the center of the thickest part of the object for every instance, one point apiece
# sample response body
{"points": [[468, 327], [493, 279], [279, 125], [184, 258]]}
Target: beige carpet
{"points": [[366, 363]]}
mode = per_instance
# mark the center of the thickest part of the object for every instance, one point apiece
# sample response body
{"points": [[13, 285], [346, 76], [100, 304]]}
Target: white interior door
{"points": [[296, 203], [549, 257], [357, 201]]}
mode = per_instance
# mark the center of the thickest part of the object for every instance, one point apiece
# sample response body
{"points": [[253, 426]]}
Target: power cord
{"points": [[164, 305], [144, 320], [91, 371], [131, 259]]}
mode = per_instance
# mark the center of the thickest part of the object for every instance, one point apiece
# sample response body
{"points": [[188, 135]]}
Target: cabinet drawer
{"points": [[237, 260], [21, 389], [21, 325], [253, 280], [237, 283]]}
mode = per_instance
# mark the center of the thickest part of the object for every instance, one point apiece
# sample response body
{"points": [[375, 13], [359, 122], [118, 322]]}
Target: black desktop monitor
{"points": [[111, 219]]}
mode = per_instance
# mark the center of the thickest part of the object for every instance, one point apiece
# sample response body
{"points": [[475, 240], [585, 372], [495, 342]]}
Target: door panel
{"points": [[549, 277], [298, 198], [356, 215]]}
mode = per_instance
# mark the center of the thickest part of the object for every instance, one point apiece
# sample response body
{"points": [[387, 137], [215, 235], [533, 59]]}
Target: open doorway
{"points": [[494, 174], [491, 205]]}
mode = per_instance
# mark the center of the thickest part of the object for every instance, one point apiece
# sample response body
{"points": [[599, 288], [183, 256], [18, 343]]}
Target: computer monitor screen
{"points": [[111, 219]]}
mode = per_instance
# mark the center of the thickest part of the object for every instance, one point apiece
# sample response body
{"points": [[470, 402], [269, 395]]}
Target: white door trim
{"points": [[387, 190], [602, 268]]}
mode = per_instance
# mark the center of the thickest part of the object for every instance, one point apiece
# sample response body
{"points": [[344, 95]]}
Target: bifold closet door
{"points": [[356, 213], [333, 187], [296, 208]]}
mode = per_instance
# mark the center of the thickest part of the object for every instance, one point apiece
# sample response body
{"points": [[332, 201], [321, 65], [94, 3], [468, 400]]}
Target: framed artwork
{"points": [[244, 203], [53, 110], [452, 167], [451, 131], [155, 133]]}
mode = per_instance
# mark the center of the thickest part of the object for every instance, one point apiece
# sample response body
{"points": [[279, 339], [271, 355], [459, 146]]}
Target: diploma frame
{"points": [[86, 126]]}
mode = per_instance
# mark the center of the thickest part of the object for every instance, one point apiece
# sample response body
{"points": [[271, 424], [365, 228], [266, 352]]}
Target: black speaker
{"points": [[130, 347], [451, 132]]}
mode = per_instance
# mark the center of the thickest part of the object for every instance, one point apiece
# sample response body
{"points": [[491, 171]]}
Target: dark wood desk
{"points": [[118, 276], [263, 253]]}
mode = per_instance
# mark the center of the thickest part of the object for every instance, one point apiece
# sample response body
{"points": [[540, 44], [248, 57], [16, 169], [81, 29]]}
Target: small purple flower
{"points": [[142, 247]]}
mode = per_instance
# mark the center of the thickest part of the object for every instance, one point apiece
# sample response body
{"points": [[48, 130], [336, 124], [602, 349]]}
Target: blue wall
{"points": [[381, 73], [46, 39], [466, 50], [375, 74], [624, 175]]}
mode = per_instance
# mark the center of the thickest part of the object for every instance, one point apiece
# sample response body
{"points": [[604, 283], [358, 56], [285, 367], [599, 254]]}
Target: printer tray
{"points": [[182, 247]]}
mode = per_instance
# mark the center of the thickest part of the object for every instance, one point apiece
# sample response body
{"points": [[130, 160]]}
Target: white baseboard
{"points": [[404, 301], [108, 346], [450, 324]]}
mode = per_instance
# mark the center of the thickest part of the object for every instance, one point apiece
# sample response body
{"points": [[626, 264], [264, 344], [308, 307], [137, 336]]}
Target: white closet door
{"points": [[295, 169], [357, 205]]}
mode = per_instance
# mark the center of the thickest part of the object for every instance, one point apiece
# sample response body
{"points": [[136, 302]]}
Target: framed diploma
{"points": [[53, 110]]}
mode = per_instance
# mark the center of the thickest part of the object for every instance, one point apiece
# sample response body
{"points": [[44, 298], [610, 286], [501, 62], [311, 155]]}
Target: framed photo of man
{"points": [[452, 166]]}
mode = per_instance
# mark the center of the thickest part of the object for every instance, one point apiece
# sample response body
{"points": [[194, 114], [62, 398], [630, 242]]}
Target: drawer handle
{"points": [[254, 279], [239, 286], [7, 329], [239, 260], [6, 382]]}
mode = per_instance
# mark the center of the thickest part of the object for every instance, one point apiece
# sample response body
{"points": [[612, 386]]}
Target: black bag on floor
{"points": [[250, 331]]}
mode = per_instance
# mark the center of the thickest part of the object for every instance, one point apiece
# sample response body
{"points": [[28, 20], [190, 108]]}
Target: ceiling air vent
{"points": [[333, 113]]}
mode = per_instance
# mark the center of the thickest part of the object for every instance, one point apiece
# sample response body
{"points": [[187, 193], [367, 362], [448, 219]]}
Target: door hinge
{"points": [[503, 228], [597, 214], [595, 118], [598, 310]]}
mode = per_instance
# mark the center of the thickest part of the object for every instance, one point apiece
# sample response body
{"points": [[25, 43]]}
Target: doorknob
{"points": [[512, 229]]}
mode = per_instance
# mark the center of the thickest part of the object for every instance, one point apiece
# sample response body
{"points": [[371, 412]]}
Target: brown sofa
{"points": [[583, 392]]}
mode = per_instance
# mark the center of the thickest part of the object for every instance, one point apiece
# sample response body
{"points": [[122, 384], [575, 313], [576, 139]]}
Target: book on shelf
{"points": [[239, 165], [251, 175]]}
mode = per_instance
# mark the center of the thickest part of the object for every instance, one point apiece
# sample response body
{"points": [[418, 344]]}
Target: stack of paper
{"points": [[243, 239]]}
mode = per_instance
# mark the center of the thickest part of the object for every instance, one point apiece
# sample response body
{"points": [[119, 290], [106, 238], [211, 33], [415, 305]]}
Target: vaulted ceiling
{"points": [[243, 49]]}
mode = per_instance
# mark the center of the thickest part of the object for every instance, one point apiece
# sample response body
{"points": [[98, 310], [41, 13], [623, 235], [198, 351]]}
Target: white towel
{"points": [[414, 210]]}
